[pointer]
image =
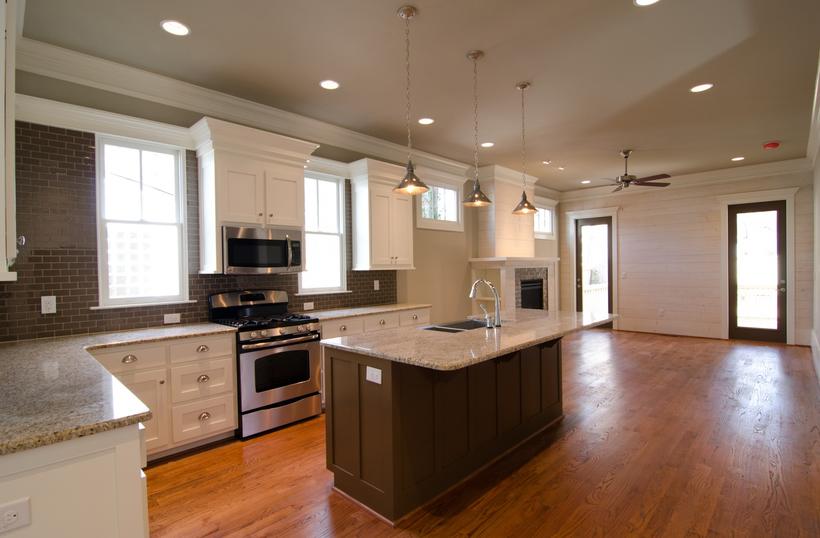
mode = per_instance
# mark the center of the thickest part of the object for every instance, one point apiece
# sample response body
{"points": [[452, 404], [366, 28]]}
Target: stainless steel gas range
{"points": [[278, 358]]}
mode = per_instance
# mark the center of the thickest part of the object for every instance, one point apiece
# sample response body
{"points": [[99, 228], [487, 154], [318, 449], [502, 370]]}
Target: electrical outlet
{"points": [[15, 514], [48, 304], [308, 306], [167, 319], [374, 375], [375, 285]]}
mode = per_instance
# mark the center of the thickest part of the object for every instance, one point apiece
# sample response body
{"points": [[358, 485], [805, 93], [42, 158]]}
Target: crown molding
{"points": [[71, 66], [495, 172], [373, 170], [80, 118], [714, 177], [329, 167], [437, 177]]}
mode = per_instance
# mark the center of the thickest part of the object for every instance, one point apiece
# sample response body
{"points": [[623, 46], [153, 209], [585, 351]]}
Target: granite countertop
{"points": [[365, 310], [452, 351], [53, 390]]}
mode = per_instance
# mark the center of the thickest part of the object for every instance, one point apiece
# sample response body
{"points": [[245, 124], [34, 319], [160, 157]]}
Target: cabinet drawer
{"points": [[190, 349], [202, 418], [377, 322], [414, 317], [201, 378], [130, 358], [342, 327]]}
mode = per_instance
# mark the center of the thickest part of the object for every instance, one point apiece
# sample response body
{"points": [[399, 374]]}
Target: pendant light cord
{"points": [[523, 143], [475, 119], [407, 87]]}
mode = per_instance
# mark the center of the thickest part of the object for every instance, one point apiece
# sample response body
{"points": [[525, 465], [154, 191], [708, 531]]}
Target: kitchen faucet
{"points": [[490, 285]]}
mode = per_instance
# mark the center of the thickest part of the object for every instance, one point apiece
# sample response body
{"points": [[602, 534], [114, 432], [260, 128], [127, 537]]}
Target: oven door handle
{"points": [[290, 253], [282, 343]]}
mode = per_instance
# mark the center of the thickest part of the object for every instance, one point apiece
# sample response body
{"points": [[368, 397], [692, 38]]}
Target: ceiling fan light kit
{"points": [[524, 206], [410, 184], [476, 197]]}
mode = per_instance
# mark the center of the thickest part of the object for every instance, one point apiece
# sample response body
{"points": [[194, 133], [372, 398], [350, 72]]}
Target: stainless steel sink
{"points": [[457, 326]]}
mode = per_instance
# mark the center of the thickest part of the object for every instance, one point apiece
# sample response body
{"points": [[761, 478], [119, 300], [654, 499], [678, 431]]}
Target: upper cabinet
{"points": [[247, 177], [382, 219], [8, 228]]}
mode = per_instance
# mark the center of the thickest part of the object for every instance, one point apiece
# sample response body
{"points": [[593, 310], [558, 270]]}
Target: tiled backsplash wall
{"points": [[56, 212]]}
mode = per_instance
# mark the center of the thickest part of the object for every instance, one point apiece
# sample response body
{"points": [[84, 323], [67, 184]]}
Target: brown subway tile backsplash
{"points": [[56, 212]]}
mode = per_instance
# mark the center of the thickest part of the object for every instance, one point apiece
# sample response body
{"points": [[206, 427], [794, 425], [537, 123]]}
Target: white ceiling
{"points": [[605, 74]]}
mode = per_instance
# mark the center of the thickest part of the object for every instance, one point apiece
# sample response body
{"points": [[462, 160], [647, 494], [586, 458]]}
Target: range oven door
{"points": [[275, 374], [247, 251]]}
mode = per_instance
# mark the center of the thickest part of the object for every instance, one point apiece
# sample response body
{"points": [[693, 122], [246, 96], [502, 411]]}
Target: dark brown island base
{"points": [[412, 412]]}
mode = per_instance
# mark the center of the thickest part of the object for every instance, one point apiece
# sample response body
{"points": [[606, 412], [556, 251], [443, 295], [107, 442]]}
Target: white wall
{"points": [[670, 255]]}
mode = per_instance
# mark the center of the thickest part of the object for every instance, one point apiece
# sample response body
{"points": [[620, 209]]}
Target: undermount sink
{"points": [[457, 326]]}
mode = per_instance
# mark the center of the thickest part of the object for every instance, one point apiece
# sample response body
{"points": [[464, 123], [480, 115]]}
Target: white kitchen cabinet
{"points": [[382, 219], [151, 387], [246, 177], [8, 228]]}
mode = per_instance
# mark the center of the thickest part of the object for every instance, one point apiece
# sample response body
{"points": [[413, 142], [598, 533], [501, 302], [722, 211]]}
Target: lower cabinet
{"points": [[189, 384]]}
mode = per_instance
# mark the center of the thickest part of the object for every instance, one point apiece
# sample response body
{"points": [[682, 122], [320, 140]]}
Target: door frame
{"points": [[725, 201], [579, 256], [573, 216]]}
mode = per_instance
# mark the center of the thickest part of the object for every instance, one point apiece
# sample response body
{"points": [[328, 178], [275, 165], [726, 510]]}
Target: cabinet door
{"points": [[151, 387], [401, 230], [380, 208], [284, 199], [243, 191]]}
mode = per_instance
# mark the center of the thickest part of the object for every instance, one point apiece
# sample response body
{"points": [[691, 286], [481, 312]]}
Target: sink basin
{"points": [[457, 326]]}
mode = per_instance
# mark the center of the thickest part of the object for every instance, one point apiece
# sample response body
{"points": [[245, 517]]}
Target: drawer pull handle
{"points": [[343, 328], [415, 316], [204, 378], [203, 416], [202, 348], [161, 381], [128, 359], [381, 322]]}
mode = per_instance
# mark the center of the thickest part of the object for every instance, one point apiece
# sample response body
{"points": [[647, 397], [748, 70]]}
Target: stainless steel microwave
{"points": [[259, 251]]}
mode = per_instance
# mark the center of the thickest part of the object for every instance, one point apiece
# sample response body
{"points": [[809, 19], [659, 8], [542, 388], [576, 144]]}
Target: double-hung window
{"points": [[325, 271], [545, 218], [141, 223], [440, 207]]}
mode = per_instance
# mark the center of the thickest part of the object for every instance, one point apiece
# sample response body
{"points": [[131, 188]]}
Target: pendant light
{"points": [[476, 198], [524, 207], [411, 184]]}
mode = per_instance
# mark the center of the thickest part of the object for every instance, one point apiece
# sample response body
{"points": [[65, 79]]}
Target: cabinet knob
{"points": [[261, 214], [270, 215], [343, 328], [381, 322], [128, 359], [203, 416], [161, 381], [202, 348], [415, 316], [204, 378]]}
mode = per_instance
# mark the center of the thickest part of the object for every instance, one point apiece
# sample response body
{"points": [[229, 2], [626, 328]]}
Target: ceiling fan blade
{"points": [[644, 184], [653, 178], [618, 188]]}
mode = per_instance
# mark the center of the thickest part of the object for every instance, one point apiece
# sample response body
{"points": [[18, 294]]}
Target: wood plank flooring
{"points": [[663, 436]]}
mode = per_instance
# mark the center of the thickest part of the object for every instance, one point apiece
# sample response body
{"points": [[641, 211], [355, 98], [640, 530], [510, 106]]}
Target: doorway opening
{"points": [[593, 265]]}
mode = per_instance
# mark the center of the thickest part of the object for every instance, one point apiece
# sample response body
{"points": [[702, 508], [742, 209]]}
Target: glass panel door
{"points": [[757, 271], [593, 267]]}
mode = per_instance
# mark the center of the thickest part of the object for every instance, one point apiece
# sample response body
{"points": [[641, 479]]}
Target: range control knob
{"points": [[254, 334], [263, 333]]}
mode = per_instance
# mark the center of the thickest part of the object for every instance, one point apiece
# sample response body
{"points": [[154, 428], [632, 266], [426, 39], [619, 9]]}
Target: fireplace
{"points": [[532, 294], [531, 288]]}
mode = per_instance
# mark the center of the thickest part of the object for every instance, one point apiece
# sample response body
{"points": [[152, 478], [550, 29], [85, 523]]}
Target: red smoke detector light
{"points": [[774, 144]]}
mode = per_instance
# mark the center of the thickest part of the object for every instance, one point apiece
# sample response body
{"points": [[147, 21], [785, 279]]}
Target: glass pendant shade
{"points": [[476, 198], [524, 207], [411, 184]]}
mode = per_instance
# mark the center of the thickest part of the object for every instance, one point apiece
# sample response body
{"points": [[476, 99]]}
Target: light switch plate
{"points": [[375, 285], [171, 318], [308, 306], [374, 375], [48, 304]]}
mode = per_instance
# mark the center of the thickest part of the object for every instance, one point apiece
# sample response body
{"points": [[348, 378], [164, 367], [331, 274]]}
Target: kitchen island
{"points": [[412, 411]]}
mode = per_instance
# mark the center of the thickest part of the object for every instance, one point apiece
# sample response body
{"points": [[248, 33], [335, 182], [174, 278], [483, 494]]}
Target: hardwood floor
{"points": [[663, 436]]}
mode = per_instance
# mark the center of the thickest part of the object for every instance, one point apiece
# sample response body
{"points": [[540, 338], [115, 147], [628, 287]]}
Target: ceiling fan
{"points": [[628, 179]]}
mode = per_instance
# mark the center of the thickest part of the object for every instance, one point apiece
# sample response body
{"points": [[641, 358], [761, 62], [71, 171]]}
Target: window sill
{"points": [[545, 236], [140, 305], [307, 294], [440, 225]]}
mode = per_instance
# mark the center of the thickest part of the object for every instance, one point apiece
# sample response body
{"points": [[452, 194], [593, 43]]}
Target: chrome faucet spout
{"points": [[473, 294]]}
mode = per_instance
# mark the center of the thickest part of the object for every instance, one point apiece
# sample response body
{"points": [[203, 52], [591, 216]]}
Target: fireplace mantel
{"points": [[499, 262], [501, 271]]}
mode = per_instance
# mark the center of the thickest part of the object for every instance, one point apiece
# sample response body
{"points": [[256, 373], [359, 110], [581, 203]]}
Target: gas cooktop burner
{"points": [[278, 320]]}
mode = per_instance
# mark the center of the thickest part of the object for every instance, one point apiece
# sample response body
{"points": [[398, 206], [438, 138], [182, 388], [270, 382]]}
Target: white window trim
{"points": [[340, 185], [105, 302], [547, 203], [442, 225]]}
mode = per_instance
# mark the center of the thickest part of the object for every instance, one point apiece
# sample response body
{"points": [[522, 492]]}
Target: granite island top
{"points": [[452, 351], [53, 390], [324, 315]]}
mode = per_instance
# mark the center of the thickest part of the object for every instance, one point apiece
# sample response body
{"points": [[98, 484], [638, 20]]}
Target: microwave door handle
{"points": [[290, 253]]}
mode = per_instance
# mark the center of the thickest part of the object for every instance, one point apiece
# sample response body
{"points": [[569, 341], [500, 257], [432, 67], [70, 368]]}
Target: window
{"points": [[141, 223], [545, 218], [440, 207], [324, 236]]}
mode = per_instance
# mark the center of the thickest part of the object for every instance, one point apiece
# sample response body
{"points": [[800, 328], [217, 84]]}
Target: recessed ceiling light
{"points": [[547, 162], [644, 3], [329, 84], [427, 121], [487, 144], [737, 159], [586, 182], [700, 88], [561, 168], [175, 27]]}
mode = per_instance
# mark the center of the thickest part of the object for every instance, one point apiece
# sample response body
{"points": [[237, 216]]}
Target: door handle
{"points": [[782, 289]]}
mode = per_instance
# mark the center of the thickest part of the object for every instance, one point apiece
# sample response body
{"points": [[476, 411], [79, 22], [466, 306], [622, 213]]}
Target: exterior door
{"points": [[593, 265], [757, 271]]}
